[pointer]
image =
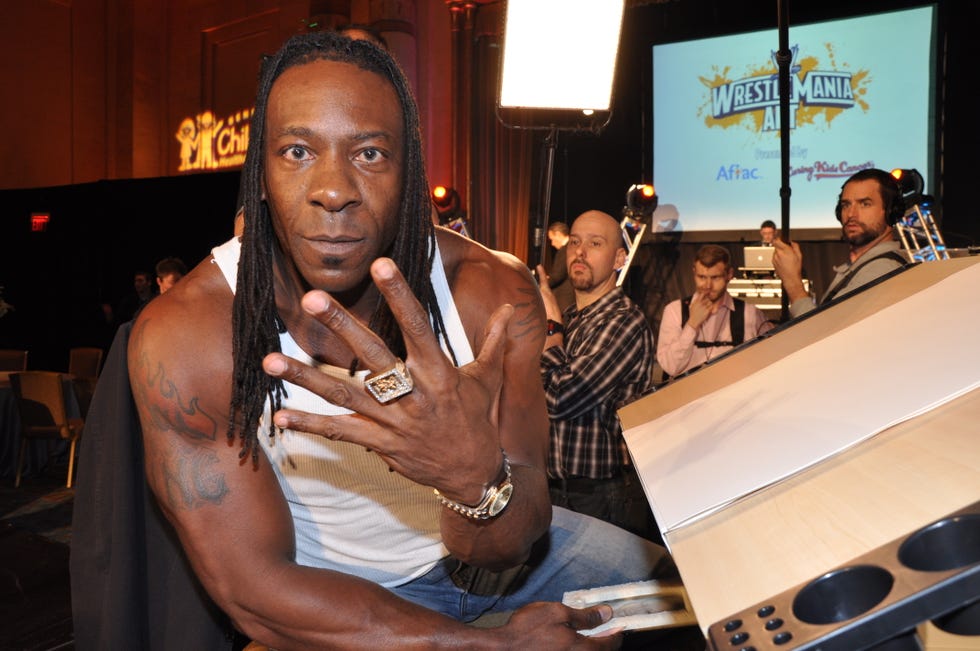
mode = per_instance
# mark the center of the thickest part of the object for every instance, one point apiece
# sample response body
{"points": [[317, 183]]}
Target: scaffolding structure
{"points": [[920, 236]]}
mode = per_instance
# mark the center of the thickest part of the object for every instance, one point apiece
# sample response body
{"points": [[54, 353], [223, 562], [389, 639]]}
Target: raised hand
{"points": [[551, 308], [788, 261], [701, 308], [444, 433]]}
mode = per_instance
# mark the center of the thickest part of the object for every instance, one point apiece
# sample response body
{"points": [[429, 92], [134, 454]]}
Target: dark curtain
{"points": [[501, 158]]}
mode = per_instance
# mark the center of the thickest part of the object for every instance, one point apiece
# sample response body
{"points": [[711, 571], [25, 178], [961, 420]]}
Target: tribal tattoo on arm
{"points": [[188, 467], [525, 321]]}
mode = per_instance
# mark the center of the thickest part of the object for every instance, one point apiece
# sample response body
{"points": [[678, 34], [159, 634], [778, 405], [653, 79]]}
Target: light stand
{"points": [[449, 209], [917, 229], [548, 148], [641, 201], [545, 87], [783, 59]]}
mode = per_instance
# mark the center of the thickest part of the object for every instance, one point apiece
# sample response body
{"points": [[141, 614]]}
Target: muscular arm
{"points": [[521, 413], [231, 516]]}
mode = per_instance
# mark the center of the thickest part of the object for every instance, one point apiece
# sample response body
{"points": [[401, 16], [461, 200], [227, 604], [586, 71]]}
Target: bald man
{"points": [[598, 357]]}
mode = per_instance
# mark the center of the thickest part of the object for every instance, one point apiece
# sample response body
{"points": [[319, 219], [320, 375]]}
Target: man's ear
{"points": [[620, 258]]}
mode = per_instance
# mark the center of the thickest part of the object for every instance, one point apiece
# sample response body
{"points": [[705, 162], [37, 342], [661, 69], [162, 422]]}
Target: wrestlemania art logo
{"points": [[208, 143], [819, 92]]}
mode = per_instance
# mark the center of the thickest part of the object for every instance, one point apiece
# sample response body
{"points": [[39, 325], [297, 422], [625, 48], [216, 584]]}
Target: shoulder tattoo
{"points": [[161, 402], [187, 468], [525, 320]]}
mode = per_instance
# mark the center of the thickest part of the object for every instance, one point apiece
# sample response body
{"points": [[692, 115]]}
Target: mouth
{"points": [[335, 245]]}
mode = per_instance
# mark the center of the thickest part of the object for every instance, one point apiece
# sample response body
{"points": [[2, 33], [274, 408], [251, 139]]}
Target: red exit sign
{"points": [[39, 221]]}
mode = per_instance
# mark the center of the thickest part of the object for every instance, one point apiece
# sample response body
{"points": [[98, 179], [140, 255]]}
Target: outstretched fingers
{"points": [[422, 348]]}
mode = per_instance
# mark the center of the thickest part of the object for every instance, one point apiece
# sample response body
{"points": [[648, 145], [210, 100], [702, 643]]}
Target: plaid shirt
{"points": [[606, 362]]}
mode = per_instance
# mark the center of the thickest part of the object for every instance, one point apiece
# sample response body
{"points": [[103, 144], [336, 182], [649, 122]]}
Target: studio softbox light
{"points": [[559, 59]]}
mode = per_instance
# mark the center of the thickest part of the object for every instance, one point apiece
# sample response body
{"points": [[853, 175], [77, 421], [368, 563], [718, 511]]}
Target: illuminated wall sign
{"points": [[39, 221], [207, 143]]}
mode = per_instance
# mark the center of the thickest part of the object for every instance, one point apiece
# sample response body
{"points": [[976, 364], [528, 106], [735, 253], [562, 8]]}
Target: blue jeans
{"points": [[619, 500], [579, 552]]}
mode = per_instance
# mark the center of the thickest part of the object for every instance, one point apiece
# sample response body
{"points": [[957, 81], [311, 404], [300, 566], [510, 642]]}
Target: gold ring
{"points": [[390, 384]]}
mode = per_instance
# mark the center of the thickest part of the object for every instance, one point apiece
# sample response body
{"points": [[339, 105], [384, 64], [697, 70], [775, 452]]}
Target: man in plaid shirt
{"points": [[598, 356]]}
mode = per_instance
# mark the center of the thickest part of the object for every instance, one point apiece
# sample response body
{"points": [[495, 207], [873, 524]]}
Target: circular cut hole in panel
{"points": [[842, 594], [944, 545], [962, 621]]}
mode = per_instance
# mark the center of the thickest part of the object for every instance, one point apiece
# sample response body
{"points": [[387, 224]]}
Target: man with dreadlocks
{"points": [[342, 470]]}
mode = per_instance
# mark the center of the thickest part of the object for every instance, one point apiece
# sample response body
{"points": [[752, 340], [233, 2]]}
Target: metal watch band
{"points": [[483, 510]]}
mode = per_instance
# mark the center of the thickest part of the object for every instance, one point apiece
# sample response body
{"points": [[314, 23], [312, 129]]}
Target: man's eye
{"points": [[372, 155], [296, 152]]}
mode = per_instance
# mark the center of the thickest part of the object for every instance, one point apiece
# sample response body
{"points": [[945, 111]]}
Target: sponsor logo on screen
{"points": [[736, 172], [816, 92]]}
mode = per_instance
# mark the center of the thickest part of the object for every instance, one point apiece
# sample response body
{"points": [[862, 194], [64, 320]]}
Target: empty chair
{"points": [[84, 362], [13, 360], [84, 365], [43, 414]]}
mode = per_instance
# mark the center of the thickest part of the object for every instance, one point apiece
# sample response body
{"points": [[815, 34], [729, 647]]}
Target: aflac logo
{"points": [[753, 100], [736, 172]]}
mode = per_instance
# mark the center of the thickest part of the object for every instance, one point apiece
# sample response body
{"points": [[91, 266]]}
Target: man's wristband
{"points": [[555, 327]]}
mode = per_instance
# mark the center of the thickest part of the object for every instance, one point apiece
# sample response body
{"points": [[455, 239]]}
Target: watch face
{"points": [[500, 500]]}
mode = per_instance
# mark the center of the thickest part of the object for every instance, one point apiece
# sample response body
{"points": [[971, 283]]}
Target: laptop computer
{"points": [[758, 258]]}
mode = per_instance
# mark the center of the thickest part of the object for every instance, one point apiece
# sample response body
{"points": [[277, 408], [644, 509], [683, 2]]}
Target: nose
{"points": [[332, 184]]}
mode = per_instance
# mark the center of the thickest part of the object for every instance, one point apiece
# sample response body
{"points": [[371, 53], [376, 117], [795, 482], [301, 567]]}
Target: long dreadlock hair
{"points": [[256, 325]]}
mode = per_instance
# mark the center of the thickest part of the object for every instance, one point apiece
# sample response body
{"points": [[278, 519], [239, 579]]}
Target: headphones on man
{"points": [[891, 194]]}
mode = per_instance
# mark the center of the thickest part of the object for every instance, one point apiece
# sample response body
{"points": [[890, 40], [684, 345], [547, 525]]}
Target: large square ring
{"points": [[390, 384]]}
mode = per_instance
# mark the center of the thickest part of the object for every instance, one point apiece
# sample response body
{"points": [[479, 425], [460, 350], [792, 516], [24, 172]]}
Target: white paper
{"points": [[900, 362]]}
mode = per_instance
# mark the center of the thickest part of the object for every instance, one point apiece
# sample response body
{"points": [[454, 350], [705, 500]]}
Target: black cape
{"points": [[131, 585]]}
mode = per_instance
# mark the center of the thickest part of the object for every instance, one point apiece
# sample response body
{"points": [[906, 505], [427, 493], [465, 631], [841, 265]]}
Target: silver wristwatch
{"points": [[494, 501]]}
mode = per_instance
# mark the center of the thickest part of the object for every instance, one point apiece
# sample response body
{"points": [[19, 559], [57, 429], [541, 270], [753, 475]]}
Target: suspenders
{"points": [[888, 255], [736, 323]]}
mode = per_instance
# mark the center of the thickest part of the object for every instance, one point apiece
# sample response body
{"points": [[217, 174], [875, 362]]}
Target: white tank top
{"points": [[350, 513]]}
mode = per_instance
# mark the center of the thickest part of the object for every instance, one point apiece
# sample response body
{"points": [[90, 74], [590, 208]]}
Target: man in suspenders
{"points": [[696, 329], [869, 205]]}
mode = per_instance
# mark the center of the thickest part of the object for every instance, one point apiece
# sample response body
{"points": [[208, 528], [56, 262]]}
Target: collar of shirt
{"points": [[573, 314], [877, 249]]}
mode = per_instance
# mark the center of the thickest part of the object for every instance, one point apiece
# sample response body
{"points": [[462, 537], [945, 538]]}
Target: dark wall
{"points": [[99, 235]]}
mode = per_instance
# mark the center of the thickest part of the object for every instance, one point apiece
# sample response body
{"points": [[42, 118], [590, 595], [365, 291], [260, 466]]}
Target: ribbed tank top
{"points": [[350, 513]]}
